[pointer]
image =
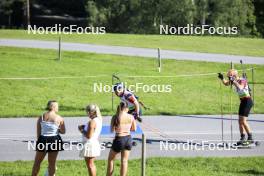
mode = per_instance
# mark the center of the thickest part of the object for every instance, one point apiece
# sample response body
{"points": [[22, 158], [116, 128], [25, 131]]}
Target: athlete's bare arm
{"points": [[38, 127], [91, 128], [137, 108], [226, 82], [134, 125], [62, 129]]}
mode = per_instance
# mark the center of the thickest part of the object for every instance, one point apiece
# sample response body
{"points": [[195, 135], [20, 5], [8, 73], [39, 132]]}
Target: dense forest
{"points": [[136, 16]]}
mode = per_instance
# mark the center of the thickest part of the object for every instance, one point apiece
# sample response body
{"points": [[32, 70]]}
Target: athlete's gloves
{"points": [[137, 117], [220, 76]]}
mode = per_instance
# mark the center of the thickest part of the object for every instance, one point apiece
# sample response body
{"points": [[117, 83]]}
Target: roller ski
{"points": [[247, 144]]}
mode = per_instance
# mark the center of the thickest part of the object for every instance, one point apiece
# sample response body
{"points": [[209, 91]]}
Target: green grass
{"points": [[189, 95], [207, 44], [245, 166]]}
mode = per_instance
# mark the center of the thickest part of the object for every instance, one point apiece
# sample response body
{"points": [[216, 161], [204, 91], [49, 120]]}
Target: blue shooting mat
{"points": [[106, 130]]}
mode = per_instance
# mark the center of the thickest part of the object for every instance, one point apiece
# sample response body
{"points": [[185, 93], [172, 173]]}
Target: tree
{"points": [[201, 11], [177, 13], [12, 12], [141, 16], [6, 9], [124, 16], [259, 13], [239, 13]]}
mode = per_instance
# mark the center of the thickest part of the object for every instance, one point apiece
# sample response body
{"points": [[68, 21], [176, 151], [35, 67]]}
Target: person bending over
{"points": [[131, 100]]}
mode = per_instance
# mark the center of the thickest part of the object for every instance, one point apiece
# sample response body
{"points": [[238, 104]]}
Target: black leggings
{"points": [[245, 106]]}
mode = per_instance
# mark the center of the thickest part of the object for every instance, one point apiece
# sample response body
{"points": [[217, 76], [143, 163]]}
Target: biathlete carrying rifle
{"points": [[131, 99], [246, 103]]}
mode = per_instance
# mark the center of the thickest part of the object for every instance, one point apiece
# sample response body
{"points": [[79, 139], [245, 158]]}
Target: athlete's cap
{"points": [[118, 86]]}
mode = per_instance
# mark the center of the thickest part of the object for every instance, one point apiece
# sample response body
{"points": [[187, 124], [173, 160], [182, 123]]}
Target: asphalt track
{"points": [[16, 132], [133, 51]]}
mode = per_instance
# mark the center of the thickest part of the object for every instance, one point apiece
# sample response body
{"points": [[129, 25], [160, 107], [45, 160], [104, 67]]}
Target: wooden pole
{"points": [[59, 53], [143, 155], [159, 60]]}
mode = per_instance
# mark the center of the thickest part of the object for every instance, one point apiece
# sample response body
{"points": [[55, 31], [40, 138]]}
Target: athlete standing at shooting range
{"points": [[131, 99], [246, 103]]}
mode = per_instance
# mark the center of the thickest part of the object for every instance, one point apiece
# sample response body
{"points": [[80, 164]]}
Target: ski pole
{"points": [[221, 107], [231, 108]]}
